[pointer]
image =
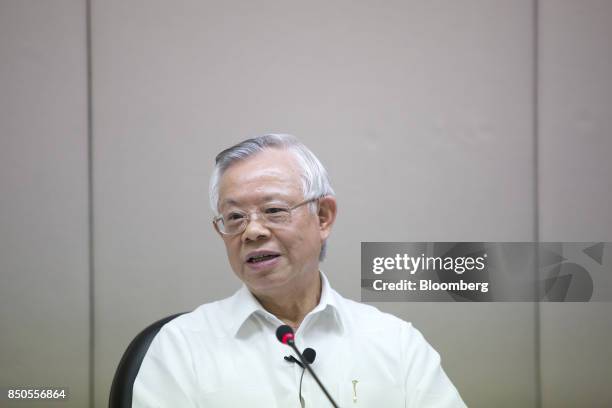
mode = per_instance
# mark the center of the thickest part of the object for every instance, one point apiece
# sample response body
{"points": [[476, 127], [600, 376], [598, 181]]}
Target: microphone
{"points": [[285, 335], [309, 355]]}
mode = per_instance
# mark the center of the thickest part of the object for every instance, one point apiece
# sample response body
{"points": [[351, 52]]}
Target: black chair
{"points": [[123, 382]]}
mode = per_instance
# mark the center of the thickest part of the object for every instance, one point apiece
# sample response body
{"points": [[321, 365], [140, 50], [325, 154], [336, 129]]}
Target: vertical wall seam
{"points": [[90, 198], [536, 197]]}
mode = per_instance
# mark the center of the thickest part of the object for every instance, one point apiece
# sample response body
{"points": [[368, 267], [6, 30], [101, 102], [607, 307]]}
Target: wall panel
{"points": [[421, 110], [44, 295], [576, 198]]}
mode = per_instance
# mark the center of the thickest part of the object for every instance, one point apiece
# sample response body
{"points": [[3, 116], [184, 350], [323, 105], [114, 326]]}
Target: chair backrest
{"points": [[123, 382]]}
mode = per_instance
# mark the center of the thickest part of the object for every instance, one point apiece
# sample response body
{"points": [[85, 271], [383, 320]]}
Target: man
{"points": [[275, 210]]}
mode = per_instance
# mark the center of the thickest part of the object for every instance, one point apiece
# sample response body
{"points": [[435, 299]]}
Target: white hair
{"points": [[315, 181]]}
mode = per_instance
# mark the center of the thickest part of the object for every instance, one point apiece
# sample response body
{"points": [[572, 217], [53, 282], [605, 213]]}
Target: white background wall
{"points": [[451, 121]]}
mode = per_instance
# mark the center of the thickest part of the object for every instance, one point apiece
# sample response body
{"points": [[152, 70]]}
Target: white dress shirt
{"points": [[225, 354]]}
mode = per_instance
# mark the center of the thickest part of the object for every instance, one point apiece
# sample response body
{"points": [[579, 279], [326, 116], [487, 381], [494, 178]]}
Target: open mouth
{"points": [[261, 258]]}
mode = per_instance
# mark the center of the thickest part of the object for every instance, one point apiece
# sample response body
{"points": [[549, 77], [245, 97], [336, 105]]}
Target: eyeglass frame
{"points": [[247, 218]]}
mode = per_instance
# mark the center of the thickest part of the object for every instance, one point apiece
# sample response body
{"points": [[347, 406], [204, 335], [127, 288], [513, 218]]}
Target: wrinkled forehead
{"points": [[268, 175]]}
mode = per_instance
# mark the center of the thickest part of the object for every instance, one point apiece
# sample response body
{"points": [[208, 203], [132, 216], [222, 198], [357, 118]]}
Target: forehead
{"points": [[273, 173]]}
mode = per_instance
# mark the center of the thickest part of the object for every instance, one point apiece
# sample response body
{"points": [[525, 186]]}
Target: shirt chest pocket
{"points": [[364, 394]]}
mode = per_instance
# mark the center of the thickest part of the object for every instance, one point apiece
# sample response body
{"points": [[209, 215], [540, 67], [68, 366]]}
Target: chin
{"points": [[269, 282]]}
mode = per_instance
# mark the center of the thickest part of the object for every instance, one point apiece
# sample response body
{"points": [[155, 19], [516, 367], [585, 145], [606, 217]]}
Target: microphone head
{"points": [[309, 355], [284, 334]]}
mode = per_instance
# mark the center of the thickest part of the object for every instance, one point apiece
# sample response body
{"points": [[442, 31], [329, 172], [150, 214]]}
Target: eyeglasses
{"points": [[235, 221]]}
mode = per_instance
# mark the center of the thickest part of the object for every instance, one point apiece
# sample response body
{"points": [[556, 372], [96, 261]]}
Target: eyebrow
{"points": [[265, 199]]}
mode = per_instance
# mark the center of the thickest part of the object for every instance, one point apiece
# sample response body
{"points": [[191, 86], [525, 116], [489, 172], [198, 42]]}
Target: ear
{"points": [[217, 229], [327, 215]]}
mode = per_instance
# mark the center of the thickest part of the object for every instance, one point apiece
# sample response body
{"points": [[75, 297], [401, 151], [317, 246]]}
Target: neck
{"points": [[294, 304]]}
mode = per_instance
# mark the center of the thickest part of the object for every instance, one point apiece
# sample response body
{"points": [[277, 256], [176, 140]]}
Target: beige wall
{"points": [[423, 112], [575, 193], [44, 296]]}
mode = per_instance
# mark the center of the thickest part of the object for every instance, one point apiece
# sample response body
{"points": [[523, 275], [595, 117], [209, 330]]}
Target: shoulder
{"points": [[366, 318], [206, 321], [198, 319]]}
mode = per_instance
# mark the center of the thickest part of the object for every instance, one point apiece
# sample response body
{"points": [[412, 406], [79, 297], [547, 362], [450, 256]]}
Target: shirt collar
{"points": [[243, 305]]}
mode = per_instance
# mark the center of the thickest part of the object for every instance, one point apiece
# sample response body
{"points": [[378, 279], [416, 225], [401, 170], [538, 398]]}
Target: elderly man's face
{"points": [[273, 177]]}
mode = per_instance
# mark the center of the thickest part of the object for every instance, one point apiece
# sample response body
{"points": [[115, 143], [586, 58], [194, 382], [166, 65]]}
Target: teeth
{"points": [[260, 257]]}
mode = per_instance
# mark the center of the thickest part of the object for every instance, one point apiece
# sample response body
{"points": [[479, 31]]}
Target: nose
{"points": [[255, 229]]}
